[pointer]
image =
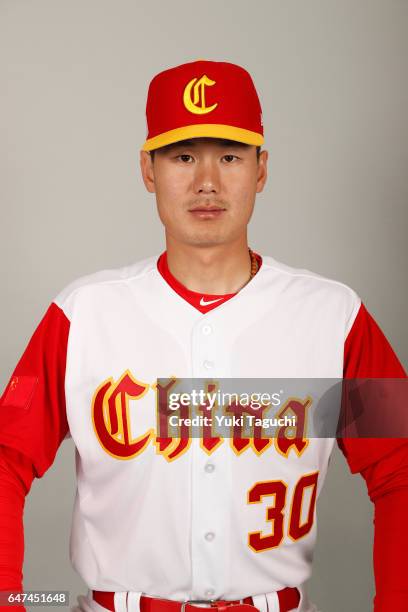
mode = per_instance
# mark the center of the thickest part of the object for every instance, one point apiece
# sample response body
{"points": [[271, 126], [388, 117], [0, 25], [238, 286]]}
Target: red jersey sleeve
{"points": [[383, 463], [368, 354], [32, 408]]}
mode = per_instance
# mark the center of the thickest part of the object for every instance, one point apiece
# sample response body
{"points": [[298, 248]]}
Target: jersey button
{"points": [[208, 364], [207, 329], [209, 536], [210, 467]]}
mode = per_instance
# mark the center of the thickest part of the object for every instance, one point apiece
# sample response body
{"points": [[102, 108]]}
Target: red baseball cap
{"points": [[203, 98]]}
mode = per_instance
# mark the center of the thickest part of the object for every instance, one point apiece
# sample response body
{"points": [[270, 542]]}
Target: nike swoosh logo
{"points": [[204, 303]]}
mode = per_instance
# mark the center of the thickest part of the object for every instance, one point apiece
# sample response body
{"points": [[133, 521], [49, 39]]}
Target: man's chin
{"points": [[206, 241]]}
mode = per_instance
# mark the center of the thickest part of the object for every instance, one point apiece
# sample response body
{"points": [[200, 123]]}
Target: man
{"points": [[166, 522]]}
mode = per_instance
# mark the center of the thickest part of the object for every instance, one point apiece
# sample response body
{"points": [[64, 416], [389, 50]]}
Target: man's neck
{"points": [[215, 270]]}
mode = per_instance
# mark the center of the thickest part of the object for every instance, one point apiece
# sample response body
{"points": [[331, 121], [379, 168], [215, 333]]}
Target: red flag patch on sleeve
{"points": [[20, 392]]}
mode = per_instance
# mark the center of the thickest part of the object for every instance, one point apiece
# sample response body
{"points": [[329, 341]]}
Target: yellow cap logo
{"points": [[197, 86]]}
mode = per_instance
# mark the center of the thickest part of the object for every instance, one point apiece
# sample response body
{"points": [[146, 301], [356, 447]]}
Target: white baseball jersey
{"points": [[194, 522]]}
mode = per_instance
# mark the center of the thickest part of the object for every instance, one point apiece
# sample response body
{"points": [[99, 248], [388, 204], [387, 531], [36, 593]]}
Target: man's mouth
{"points": [[207, 212]]}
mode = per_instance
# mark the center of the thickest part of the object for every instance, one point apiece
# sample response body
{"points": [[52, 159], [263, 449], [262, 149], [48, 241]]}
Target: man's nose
{"points": [[207, 177]]}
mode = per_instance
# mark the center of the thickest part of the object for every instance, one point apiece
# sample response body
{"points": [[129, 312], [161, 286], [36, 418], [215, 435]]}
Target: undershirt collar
{"points": [[204, 302]]}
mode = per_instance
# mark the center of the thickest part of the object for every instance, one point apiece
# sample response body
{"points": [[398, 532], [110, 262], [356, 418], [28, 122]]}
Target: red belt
{"points": [[288, 600]]}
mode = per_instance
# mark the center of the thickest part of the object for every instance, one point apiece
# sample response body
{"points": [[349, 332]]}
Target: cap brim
{"points": [[206, 130]]}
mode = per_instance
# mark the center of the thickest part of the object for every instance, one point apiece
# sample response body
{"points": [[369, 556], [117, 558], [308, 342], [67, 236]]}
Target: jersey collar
{"points": [[204, 302]]}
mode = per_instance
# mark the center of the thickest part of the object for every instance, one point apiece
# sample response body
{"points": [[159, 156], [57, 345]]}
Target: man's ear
{"points": [[146, 167], [262, 171]]}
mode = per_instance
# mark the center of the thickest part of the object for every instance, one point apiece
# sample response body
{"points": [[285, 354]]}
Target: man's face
{"points": [[205, 188]]}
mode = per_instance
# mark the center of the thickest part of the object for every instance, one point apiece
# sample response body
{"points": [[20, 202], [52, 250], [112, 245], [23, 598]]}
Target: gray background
{"points": [[332, 81]]}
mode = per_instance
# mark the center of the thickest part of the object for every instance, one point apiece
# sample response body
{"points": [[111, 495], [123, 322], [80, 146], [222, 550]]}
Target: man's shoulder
{"points": [[307, 285], [105, 276], [304, 275]]}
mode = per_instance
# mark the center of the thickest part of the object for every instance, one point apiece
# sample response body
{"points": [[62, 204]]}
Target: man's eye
{"points": [[230, 156], [183, 156]]}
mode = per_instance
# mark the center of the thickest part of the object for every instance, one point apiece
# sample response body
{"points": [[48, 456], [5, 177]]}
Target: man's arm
{"points": [[33, 424], [387, 484], [16, 476], [383, 463]]}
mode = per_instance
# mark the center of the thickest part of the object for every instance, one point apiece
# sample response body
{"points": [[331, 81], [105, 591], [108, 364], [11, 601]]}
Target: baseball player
{"points": [[173, 524]]}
